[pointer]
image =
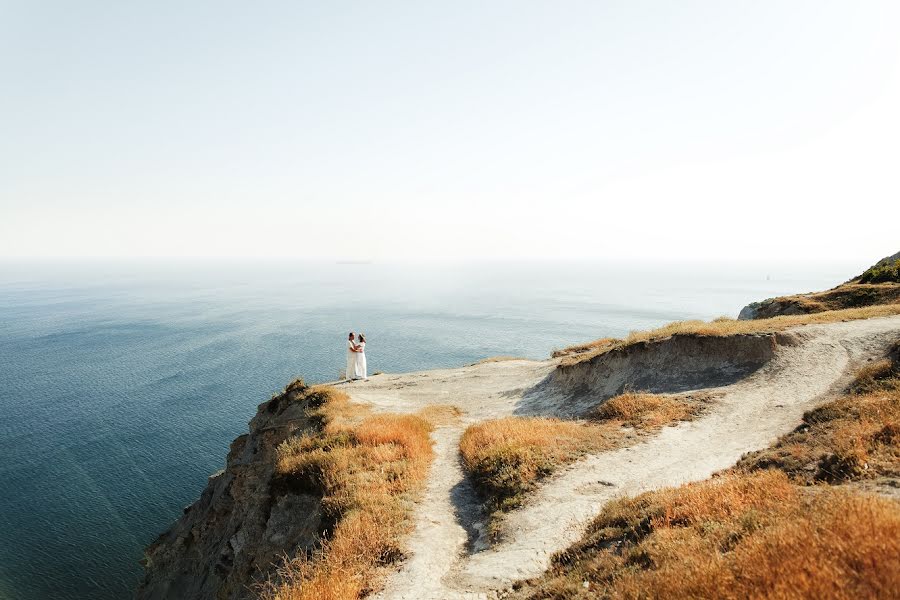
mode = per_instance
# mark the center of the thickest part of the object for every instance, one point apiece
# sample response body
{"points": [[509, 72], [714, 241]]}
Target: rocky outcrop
{"points": [[748, 313], [245, 520], [772, 307]]}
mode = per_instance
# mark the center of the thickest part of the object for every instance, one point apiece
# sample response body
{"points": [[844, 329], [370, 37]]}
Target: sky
{"points": [[450, 130]]}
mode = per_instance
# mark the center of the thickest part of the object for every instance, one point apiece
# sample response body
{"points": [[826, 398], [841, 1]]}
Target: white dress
{"points": [[360, 371], [351, 360]]}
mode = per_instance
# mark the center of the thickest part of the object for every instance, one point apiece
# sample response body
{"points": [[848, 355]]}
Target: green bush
{"points": [[888, 272]]}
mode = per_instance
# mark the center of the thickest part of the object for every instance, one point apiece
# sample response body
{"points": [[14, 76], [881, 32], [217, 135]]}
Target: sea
{"points": [[123, 383]]}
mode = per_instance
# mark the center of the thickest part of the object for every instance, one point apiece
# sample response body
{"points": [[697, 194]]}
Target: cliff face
{"points": [[677, 364], [680, 363], [243, 522]]}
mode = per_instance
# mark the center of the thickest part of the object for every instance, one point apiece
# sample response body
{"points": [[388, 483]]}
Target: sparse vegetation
{"points": [[738, 536], [367, 469], [507, 457], [726, 327]]}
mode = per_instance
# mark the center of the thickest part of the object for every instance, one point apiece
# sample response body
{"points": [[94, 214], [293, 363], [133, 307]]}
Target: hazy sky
{"points": [[460, 129]]}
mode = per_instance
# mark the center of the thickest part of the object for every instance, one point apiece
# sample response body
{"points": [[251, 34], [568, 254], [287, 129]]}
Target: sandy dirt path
{"points": [[447, 557]]}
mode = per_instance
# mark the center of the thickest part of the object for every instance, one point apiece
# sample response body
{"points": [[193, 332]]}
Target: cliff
{"points": [[243, 521]]}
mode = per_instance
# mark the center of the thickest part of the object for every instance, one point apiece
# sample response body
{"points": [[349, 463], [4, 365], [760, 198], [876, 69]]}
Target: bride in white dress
{"points": [[360, 368]]}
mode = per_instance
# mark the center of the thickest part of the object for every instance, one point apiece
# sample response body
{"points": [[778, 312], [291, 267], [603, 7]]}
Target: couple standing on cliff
{"points": [[356, 357]]}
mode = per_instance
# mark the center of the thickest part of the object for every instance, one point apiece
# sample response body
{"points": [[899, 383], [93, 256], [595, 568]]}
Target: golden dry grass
{"points": [[723, 327], [588, 346], [367, 469], [647, 411], [739, 536], [338, 413]]}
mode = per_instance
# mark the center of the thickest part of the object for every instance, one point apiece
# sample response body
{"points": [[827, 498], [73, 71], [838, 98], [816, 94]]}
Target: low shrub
{"points": [[646, 411]]}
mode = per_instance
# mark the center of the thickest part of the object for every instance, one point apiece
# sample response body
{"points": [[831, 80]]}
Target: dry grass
{"points": [[852, 438], [367, 470], [507, 457], [338, 413], [874, 376], [586, 347], [648, 412], [723, 327], [882, 375], [755, 536]]}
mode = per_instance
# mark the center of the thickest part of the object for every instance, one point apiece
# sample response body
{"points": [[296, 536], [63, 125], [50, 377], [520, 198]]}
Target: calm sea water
{"points": [[123, 384]]}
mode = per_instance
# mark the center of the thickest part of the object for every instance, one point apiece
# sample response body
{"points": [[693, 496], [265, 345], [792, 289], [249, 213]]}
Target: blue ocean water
{"points": [[124, 383]]}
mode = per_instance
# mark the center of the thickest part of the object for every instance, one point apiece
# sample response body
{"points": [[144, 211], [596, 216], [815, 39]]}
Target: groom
{"points": [[352, 350]]}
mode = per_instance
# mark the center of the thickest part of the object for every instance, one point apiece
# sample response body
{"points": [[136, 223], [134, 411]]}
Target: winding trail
{"points": [[447, 555]]}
